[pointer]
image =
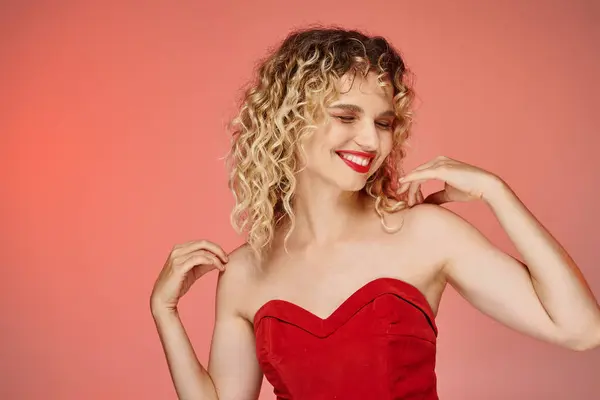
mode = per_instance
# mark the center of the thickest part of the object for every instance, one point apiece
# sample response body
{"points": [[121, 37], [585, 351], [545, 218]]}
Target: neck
{"points": [[324, 214]]}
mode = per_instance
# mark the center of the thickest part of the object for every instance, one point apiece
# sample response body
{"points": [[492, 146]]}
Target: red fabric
{"points": [[378, 344]]}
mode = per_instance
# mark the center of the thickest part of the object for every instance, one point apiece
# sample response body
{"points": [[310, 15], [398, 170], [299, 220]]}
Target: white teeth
{"points": [[356, 159]]}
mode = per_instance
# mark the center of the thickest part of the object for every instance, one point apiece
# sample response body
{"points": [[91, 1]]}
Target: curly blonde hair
{"points": [[286, 102]]}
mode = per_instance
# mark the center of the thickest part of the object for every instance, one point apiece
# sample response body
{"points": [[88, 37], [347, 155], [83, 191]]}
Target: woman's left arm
{"points": [[558, 282], [545, 296]]}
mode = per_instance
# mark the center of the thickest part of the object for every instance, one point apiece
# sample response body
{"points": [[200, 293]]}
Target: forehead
{"points": [[356, 85]]}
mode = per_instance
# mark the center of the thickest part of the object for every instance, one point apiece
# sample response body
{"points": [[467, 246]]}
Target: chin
{"points": [[353, 185]]}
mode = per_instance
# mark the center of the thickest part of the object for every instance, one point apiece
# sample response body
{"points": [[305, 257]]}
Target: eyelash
{"points": [[348, 120]]}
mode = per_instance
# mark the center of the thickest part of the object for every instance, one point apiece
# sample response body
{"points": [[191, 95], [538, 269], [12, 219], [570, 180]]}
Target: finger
{"points": [[215, 260], [212, 261], [433, 163], [204, 256], [189, 247], [192, 261], [199, 270], [412, 193], [217, 250], [439, 197], [403, 188], [419, 196]]}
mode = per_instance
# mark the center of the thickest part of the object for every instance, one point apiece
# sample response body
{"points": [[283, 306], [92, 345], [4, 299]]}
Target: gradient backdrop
{"points": [[112, 123]]}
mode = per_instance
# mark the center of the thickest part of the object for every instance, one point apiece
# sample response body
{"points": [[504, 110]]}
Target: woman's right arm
{"points": [[234, 371], [232, 364]]}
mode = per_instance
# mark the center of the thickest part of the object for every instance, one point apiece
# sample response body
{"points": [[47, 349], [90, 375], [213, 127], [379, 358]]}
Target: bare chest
{"points": [[322, 280]]}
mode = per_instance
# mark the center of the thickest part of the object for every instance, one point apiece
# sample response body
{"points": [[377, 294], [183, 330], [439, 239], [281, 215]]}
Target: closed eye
{"points": [[350, 119], [346, 119], [385, 125]]}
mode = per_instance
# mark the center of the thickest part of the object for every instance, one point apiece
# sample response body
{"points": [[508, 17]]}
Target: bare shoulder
{"points": [[422, 246], [242, 261], [432, 229], [442, 230], [429, 219], [237, 281]]}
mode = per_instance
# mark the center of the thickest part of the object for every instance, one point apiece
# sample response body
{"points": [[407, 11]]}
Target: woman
{"points": [[336, 291]]}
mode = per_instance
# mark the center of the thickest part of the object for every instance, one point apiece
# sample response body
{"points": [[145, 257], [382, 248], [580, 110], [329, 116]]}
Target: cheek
{"points": [[330, 139], [385, 147], [318, 145], [337, 134], [386, 144]]}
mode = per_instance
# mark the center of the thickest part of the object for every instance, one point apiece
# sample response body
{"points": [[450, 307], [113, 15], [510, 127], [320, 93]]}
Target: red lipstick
{"points": [[361, 169]]}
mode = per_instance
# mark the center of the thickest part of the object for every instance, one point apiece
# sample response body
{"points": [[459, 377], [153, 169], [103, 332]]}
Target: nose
{"points": [[368, 137]]}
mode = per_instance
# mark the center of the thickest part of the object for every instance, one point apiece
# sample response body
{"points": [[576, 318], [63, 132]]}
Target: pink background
{"points": [[111, 131]]}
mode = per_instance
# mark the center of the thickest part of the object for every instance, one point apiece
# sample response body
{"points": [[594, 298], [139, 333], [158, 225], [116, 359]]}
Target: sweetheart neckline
{"points": [[339, 309]]}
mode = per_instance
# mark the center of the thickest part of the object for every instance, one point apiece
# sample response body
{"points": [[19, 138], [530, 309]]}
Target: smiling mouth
{"points": [[358, 163]]}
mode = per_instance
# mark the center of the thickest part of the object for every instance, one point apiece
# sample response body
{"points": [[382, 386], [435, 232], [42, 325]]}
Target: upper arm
{"points": [[492, 281], [232, 365]]}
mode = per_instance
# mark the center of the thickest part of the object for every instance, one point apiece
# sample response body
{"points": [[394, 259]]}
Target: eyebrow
{"points": [[359, 110]]}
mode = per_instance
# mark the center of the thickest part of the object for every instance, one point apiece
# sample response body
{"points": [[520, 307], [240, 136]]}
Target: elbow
{"points": [[584, 341], [585, 345]]}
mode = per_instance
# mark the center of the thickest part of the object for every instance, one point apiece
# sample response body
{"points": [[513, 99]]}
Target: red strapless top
{"points": [[378, 344]]}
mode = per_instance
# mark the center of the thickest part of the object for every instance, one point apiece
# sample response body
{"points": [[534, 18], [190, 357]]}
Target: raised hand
{"points": [[462, 182], [186, 263]]}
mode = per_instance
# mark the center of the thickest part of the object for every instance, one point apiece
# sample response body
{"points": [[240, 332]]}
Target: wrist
{"points": [[496, 192], [160, 311]]}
